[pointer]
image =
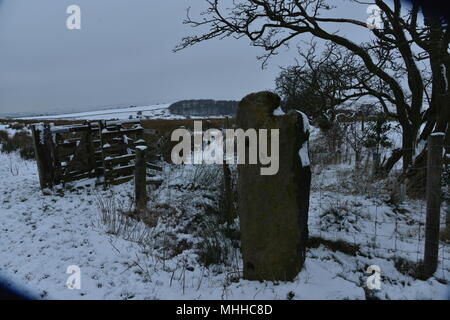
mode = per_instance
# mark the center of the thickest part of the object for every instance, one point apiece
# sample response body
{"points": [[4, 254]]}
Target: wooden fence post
{"points": [[42, 155], [433, 193], [55, 166], [230, 215], [140, 177], [90, 149]]}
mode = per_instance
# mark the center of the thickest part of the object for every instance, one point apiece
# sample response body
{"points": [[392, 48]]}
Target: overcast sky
{"points": [[121, 56]]}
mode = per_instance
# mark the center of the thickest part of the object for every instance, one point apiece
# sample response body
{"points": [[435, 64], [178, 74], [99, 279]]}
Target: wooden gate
{"points": [[117, 150], [103, 151]]}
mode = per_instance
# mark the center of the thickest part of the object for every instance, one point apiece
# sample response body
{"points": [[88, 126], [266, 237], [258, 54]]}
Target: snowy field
{"points": [[159, 111], [352, 226], [41, 235]]}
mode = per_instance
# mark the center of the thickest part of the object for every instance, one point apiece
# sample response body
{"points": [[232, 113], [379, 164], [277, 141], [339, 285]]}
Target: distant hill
{"points": [[204, 107]]}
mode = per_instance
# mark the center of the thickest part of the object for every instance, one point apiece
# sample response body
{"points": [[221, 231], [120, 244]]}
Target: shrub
{"points": [[409, 268], [22, 139], [8, 146], [4, 136], [17, 126], [118, 219], [340, 216], [215, 248], [219, 240], [377, 136], [27, 153], [22, 142], [164, 146]]}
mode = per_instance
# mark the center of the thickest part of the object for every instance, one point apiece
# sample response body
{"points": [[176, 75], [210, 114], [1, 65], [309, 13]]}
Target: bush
{"points": [[17, 126], [215, 247], [27, 153], [4, 136], [219, 240], [22, 139], [340, 216], [22, 142], [8, 146]]}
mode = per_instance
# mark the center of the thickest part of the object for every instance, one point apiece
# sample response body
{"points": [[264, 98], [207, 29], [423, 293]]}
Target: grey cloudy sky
{"points": [[122, 56]]}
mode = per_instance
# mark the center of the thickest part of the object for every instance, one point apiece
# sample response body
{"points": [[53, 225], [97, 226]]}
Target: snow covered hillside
{"points": [[174, 254], [159, 111]]}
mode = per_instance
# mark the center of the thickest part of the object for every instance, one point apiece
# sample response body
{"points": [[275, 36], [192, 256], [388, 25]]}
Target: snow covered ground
{"points": [[121, 258], [41, 235], [11, 131], [160, 111]]}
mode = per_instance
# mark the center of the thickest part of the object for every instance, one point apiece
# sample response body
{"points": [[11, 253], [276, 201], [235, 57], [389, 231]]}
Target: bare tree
{"points": [[319, 85], [407, 60]]}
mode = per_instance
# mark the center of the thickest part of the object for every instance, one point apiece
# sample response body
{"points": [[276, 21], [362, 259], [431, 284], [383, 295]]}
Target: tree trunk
{"points": [[376, 164], [390, 163], [416, 177], [357, 159], [408, 148]]}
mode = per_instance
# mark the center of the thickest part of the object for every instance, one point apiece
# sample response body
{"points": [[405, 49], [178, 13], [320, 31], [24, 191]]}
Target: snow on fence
{"points": [[103, 151]]}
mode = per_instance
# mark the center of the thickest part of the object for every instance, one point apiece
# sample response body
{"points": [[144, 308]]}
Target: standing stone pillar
{"points": [[273, 209]]}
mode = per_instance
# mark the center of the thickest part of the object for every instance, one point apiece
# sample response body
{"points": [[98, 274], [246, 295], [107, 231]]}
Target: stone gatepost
{"points": [[273, 209]]}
